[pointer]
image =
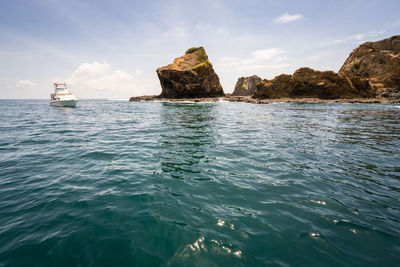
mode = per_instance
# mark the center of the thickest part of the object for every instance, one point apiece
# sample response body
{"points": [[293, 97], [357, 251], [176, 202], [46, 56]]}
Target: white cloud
{"points": [[92, 69], [286, 18], [269, 53], [265, 63], [101, 80], [356, 38], [25, 84], [259, 59]]}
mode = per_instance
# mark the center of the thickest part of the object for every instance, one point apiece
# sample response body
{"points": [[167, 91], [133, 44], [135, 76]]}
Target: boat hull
{"points": [[64, 103]]}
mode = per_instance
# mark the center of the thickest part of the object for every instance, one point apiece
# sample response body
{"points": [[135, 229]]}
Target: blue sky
{"points": [[112, 49]]}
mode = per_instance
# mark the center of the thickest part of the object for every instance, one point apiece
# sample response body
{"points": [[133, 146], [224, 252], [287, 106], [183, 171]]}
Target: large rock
{"points": [[246, 85], [379, 63], [309, 83], [190, 76]]}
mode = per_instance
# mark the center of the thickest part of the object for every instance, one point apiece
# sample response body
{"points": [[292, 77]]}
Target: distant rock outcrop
{"points": [[379, 63], [190, 76], [309, 83], [246, 85]]}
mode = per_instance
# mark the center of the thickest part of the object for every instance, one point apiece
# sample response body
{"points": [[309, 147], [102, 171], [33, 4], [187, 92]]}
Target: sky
{"points": [[111, 49]]}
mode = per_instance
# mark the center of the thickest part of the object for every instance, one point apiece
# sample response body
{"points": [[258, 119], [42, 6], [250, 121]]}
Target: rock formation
{"points": [[379, 63], [309, 83], [190, 76], [246, 85]]}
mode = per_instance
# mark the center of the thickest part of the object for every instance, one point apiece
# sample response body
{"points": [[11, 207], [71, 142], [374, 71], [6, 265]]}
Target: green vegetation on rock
{"points": [[202, 66], [199, 51], [191, 50], [202, 56]]}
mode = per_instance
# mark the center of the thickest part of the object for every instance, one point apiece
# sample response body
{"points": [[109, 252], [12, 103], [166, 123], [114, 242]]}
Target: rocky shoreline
{"points": [[371, 74], [249, 99]]}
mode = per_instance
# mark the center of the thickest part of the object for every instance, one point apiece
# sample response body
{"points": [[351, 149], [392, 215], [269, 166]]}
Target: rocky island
{"points": [[189, 76], [379, 63], [371, 74], [309, 83], [246, 86]]}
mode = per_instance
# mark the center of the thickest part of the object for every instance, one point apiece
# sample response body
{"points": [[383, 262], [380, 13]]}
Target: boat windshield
{"points": [[60, 86]]}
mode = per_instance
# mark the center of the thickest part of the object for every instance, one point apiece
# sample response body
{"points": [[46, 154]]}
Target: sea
{"points": [[118, 183]]}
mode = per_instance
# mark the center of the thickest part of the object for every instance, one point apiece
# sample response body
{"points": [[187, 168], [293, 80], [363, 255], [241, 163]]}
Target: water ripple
{"points": [[210, 184]]}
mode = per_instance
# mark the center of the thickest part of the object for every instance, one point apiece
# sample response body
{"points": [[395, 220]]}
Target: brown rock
{"points": [[143, 98], [309, 83], [246, 85], [275, 88], [379, 63], [190, 76]]}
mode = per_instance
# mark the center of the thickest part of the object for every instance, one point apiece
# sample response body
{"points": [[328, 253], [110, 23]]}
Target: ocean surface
{"points": [[113, 183]]}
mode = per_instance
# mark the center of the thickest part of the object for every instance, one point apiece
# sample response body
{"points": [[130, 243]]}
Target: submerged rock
{"points": [[309, 83], [379, 63], [190, 76], [246, 85]]}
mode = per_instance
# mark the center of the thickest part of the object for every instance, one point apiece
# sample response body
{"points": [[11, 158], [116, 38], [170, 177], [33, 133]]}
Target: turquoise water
{"points": [[205, 184]]}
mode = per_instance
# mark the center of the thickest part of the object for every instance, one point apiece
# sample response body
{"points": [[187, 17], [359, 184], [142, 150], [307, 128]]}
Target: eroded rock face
{"points": [[309, 83], [246, 85], [379, 63], [274, 88], [190, 76]]}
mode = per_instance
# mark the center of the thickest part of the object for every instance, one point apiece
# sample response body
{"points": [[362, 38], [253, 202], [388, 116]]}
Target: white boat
{"points": [[62, 96]]}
